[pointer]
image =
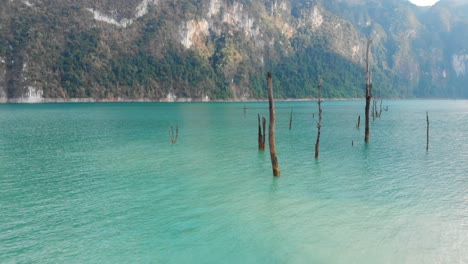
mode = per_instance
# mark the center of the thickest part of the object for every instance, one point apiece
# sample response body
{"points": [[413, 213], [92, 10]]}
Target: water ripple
{"points": [[102, 183]]}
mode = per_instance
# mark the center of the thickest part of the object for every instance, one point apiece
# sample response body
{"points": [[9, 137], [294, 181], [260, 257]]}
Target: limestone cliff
{"points": [[168, 50]]}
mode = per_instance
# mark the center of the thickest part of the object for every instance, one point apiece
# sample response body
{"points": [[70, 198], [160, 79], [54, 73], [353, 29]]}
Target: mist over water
{"points": [[102, 183]]}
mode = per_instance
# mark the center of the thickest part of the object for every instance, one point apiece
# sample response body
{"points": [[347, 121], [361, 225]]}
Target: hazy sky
{"points": [[424, 2]]}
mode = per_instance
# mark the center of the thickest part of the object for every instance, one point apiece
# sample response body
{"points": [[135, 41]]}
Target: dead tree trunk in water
{"points": [[261, 134], [375, 107], [264, 131], [427, 133], [290, 120], [271, 136], [368, 91], [373, 110], [174, 137], [375, 114], [319, 124], [380, 113]]}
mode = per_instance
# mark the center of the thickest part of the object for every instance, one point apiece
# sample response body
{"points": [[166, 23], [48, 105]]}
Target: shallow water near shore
{"points": [[102, 183]]}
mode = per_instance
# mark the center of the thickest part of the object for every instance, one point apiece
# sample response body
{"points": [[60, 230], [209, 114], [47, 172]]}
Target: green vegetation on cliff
{"points": [[223, 49]]}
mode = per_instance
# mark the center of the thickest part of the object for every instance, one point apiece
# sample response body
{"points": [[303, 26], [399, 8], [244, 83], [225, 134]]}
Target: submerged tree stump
{"points": [[261, 134], [290, 119], [319, 124], [427, 132], [381, 108], [368, 91], [172, 136], [264, 131], [373, 110], [271, 137], [376, 111]]}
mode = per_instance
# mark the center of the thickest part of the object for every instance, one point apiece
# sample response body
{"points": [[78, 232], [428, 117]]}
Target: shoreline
{"points": [[188, 100]]}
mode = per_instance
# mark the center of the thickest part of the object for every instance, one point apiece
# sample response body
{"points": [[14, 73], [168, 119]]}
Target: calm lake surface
{"points": [[102, 183]]}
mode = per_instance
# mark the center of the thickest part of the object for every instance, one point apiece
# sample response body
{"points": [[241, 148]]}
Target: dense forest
{"points": [[222, 49]]}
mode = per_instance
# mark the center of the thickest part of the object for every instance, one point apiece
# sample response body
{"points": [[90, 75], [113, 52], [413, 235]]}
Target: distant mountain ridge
{"points": [[167, 50]]}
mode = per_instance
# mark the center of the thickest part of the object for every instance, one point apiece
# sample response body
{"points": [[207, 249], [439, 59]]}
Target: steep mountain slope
{"points": [[222, 49]]}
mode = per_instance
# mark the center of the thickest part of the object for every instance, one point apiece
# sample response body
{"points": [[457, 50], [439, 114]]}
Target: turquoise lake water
{"points": [[101, 183]]}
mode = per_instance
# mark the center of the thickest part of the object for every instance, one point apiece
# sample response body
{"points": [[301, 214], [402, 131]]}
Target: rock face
{"points": [[168, 50]]}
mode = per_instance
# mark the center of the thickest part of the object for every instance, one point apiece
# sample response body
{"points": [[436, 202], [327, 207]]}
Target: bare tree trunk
{"points": [[261, 134], [380, 113], [264, 131], [427, 133], [375, 107], [368, 91], [290, 120], [373, 110], [172, 136], [271, 137], [319, 124]]}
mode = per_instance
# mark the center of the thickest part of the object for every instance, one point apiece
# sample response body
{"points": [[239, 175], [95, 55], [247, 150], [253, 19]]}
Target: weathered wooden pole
{"points": [[261, 134], [290, 120], [271, 136], [319, 124], [427, 133], [368, 91]]}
